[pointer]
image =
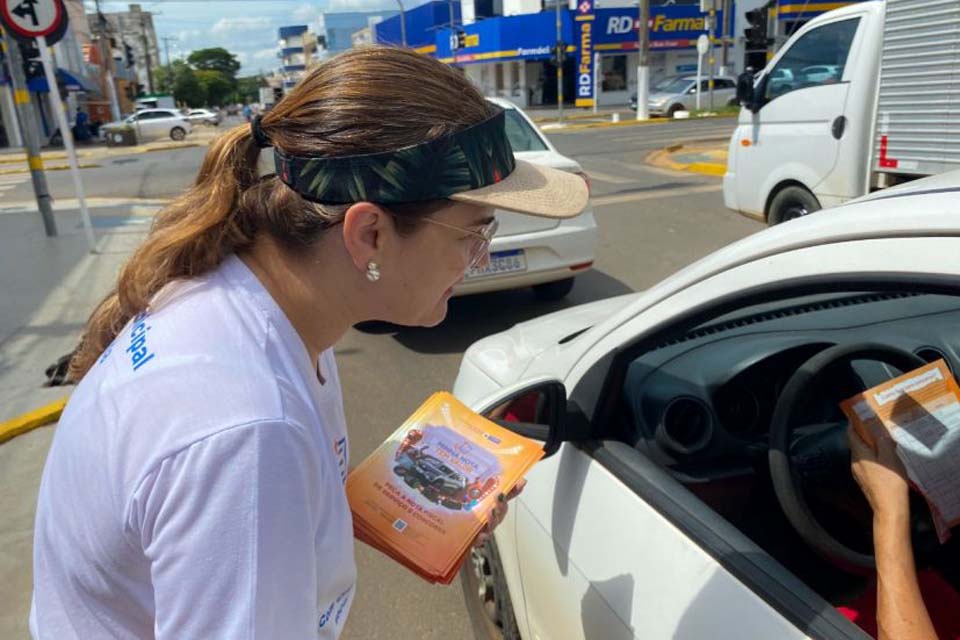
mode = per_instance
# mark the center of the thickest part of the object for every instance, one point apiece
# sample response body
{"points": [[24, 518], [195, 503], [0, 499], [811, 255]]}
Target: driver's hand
{"points": [[881, 475]]}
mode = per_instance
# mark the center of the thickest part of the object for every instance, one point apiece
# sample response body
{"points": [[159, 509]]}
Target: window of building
{"points": [[613, 73]]}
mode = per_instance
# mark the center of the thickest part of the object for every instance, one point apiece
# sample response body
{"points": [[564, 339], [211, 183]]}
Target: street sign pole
{"points": [[712, 55], [703, 44], [596, 81], [56, 106], [561, 55], [30, 129]]}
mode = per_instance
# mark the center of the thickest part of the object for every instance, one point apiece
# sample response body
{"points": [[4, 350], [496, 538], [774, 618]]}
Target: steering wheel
{"points": [[828, 447]]}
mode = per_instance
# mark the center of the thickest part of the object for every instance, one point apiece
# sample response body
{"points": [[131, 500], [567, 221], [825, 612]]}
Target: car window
{"points": [[724, 83], [672, 85], [522, 136], [817, 58], [145, 115]]}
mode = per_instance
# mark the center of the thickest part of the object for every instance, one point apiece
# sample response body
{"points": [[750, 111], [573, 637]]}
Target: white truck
{"points": [[859, 99]]}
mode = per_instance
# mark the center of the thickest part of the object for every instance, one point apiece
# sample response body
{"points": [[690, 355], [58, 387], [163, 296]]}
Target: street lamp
{"points": [[403, 24]]}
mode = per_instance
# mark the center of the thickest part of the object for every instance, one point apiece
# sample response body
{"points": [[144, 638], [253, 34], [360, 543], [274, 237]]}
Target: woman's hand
{"points": [[880, 475], [498, 514]]}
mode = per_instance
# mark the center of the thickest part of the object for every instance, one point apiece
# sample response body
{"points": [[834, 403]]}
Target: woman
{"points": [[194, 488]]}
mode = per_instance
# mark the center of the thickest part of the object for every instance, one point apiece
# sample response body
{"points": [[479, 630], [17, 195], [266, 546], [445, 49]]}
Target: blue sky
{"points": [[247, 28]]}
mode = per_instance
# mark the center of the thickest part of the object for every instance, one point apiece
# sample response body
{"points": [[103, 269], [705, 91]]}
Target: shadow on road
{"points": [[473, 317]]}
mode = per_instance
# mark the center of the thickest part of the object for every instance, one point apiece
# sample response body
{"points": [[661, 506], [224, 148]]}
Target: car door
{"points": [[148, 123], [609, 545], [792, 136]]}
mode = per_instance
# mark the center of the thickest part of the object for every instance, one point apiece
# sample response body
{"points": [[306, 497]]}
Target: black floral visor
{"points": [[478, 156]]}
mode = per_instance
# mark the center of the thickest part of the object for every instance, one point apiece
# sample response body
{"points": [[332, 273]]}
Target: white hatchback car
{"points": [[153, 124], [697, 483], [528, 251]]}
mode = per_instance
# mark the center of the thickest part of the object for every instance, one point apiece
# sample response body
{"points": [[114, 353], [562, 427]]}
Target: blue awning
{"points": [[69, 80]]}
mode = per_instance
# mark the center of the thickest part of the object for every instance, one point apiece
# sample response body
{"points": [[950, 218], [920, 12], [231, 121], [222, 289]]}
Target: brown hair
{"points": [[365, 100]]}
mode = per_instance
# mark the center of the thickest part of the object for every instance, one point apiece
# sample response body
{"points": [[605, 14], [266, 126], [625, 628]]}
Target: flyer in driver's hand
{"points": [[424, 494], [921, 412]]}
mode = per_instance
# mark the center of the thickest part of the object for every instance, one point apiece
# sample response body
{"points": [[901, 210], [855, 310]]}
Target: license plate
{"points": [[501, 262]]}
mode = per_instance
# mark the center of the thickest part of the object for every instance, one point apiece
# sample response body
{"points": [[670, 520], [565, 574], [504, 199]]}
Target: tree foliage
{"points": [[215, 59], [217, 88]]}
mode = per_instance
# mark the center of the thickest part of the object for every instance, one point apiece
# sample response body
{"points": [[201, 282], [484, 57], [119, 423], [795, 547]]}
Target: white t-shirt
{"points": [[194, 488]]}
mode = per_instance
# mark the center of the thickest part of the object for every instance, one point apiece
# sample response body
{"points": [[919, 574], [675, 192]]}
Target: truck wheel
{"points": [[486, 595], [177, 134], [791, 203], [549, 291]]}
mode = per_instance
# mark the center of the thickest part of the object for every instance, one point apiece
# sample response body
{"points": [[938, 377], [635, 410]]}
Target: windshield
{"points": [[522, 136], [672, 85]]}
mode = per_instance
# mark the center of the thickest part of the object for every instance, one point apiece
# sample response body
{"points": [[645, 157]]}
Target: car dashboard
{"points": [[701, 405]]}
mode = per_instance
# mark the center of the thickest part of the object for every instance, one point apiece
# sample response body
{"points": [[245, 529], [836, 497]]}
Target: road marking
{"points": [[639, 168], [606, 177], [619, 198]]}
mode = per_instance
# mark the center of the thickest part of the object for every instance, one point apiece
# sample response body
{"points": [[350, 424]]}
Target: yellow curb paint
{"points": [[21, 96], [707, 168], [35, 163], [29, 421], [49, 167]]}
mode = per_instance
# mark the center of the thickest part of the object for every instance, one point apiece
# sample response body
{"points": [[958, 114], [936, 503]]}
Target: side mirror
{"points": [[541, 411], [745, 88]]}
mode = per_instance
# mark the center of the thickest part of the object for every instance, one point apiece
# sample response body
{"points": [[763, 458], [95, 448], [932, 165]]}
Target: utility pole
{"points": [[725, 31], [30, 129], [561, 55], [643, 68], [403, 26], [106, 57], [713, 54], [452, 21], [166, 46], [146, 53]]}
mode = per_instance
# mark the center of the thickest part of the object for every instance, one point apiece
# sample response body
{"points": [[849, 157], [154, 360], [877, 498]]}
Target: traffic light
{"points": [[756, 33], [277, 94], [559, 51], [128, 54]]}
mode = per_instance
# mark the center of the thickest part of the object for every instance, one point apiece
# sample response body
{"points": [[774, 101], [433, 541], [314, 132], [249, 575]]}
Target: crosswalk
{"points": [[10, 182]]}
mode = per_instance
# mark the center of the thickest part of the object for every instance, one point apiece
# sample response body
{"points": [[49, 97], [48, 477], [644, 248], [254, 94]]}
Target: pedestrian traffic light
{"points": [[461, 40]]}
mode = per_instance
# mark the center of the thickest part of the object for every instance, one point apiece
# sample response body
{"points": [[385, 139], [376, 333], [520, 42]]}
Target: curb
{"points": [[30, 421], [661, 158], [48, 167], [574, 116], [624, 123]]}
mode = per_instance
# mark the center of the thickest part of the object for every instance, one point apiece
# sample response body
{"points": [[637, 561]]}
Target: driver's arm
{"points": [[901, 614]]}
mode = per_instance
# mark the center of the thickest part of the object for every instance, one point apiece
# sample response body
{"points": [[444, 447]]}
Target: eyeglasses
{"points": [[481, 239]]}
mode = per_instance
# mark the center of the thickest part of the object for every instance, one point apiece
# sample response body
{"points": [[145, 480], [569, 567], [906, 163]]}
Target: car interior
{"points": [[709, 405]]}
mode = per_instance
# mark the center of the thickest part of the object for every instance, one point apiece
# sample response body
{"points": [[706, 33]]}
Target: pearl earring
{"points": [[373, 271]]}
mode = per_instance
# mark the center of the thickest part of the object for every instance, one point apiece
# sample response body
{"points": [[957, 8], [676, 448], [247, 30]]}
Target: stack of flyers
{"points": [[424, 494]]}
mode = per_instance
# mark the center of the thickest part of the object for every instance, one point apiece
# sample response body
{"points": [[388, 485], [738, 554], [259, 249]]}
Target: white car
{"points": [[153, 124], [544, 253], [203, 116], [697, 482]]}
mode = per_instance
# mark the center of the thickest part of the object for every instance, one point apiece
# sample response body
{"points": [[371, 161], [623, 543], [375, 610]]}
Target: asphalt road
{"points": [[652, 222]]}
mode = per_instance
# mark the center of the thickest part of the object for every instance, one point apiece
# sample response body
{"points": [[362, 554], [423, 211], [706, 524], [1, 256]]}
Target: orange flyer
{"points": [[921, 412], [424, 494]]}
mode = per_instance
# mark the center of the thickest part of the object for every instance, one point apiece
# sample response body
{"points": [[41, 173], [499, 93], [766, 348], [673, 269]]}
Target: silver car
{"points": [[153, 124], [679, 93]]}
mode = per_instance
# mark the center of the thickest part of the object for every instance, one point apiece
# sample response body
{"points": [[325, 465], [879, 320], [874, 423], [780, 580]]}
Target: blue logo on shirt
{"points": [[140, 353], [340, 450], [340, 604]]}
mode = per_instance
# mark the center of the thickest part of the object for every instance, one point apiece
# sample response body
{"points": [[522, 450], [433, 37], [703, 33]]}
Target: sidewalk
{"points": [[50, 286], [708, 157], [14, 160]]}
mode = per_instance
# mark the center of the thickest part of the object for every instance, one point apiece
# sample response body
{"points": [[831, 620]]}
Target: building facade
{"points": [[512, 54], [133, 42], [338, 27], [298, 52]]}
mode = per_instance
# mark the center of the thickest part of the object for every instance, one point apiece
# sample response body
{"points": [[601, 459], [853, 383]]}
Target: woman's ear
{"points": [[365, 226]]}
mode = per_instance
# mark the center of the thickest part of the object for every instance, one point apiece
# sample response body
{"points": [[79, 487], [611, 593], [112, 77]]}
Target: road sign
{"points": [[33, 18], [703, 44]]}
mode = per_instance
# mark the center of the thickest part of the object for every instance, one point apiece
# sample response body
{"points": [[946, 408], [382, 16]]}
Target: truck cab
{"points": [[802, 140]]}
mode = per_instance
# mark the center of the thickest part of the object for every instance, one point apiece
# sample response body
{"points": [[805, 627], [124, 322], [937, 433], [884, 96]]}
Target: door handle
{"points": [[839, 124]]}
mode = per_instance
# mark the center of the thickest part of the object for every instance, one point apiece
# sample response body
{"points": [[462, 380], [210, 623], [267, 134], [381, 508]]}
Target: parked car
{"points": [[679, 93], [544, 253], [697, 478], [203, 116], [155, 124]]}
